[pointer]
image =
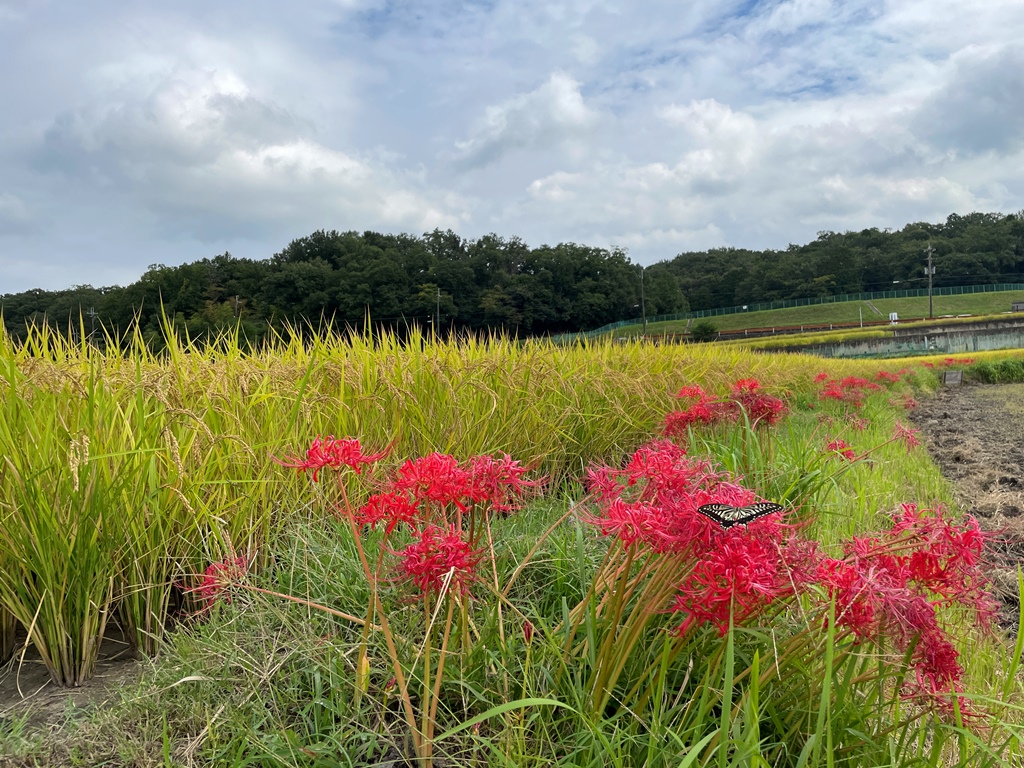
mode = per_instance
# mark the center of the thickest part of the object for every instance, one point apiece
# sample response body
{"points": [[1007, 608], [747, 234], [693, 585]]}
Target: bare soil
{"points": [[26, 689], [976, 436]]}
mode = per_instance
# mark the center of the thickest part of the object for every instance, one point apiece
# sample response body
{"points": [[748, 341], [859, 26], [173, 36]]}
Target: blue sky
{"points": [[142, 133]]}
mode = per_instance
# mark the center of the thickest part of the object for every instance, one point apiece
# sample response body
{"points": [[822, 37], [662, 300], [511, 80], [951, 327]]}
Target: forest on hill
{"points": [[502, 284]]}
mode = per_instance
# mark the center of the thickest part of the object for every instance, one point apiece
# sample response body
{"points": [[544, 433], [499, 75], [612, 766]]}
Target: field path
{"points": [[976, 435]]}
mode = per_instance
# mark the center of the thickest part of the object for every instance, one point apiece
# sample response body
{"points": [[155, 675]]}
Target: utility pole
{"points": [[931, 271], [643, 302], [92, 317], [437, 325]]}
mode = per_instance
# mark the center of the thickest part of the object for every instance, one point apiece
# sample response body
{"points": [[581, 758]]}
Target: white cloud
{"points": [[210, 158], [133, 135], [552, 114]]}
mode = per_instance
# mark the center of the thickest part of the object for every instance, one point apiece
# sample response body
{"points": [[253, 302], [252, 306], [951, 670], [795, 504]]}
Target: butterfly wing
{"points": [[727, 516], [719, 513]]}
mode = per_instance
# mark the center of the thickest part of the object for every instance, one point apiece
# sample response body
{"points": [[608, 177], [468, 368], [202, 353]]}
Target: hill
{"points": [[440, 280]]}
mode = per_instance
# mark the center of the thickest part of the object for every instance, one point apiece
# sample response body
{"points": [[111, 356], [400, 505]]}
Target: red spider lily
{"points": [[906, 435], [324, 453], [883, 590], [630, 522], [745, 387], [841, 448], [692, 391], [436, 478], [527, 631], [677, 423], [852, 390], [499, 482], [435, 554], [823, 376], [743, 574], [858, 423], [857, 382], [886, 376], [391, 507], [761, 408], [954, 361], [928, 364], [653, 501], [217, 578]]}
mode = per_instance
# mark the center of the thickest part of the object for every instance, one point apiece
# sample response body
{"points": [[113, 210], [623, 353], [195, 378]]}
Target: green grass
{"points": [[847, 312]]}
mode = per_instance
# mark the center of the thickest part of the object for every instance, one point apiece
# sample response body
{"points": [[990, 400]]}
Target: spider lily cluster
{"points": [[668, 571]]}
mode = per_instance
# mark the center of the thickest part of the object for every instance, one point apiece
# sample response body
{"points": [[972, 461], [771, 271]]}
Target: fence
{"points": [[786, 304]]}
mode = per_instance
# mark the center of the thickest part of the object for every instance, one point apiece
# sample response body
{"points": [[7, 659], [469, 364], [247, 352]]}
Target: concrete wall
{"points": [[950, 343]]}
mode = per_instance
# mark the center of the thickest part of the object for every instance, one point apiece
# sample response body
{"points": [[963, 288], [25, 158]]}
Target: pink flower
{"points": [[335, 454], [436, 556]]}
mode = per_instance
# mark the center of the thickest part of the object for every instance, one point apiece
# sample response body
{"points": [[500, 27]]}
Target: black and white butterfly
{"points": [[727, 516]]}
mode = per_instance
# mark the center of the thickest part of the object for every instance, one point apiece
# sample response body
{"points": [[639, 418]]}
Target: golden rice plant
{"points": [[127, 472]]}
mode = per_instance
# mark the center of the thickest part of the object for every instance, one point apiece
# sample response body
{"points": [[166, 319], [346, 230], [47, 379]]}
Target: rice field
{"points": [[126, 476]]}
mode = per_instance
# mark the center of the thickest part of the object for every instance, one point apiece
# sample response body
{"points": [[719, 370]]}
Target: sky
{"points": [[143, 133]]}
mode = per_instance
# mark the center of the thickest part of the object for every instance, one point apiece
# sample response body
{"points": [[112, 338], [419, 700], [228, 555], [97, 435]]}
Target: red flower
{"points": [[906, 435], [217, 578], [745, 387], [393, 507], [499, 482], [322, 453], [761, 408], [692, 391], [437, 478], [884, 587], [630, 522], [527, 631], [841, 448], [886, 376], [823, 376], [744, 573], [437, 556]]}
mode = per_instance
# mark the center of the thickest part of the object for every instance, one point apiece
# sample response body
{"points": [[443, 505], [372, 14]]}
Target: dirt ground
{"points": [[976, 435], [25, 685]]}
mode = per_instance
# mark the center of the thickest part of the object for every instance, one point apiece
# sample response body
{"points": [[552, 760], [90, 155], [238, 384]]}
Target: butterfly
{"points": [[727, 516]]}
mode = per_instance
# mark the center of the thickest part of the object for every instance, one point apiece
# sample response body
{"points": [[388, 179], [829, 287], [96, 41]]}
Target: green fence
{"points": [[765, 305]]}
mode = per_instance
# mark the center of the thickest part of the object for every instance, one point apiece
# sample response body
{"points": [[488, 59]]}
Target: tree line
{"points": [[442, 281]]}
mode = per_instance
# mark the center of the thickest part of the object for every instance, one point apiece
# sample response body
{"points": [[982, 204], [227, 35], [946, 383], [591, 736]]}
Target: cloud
{"points": [[980, 108], [553, 114], [135, 134], [209, 157], [14, 215]]}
